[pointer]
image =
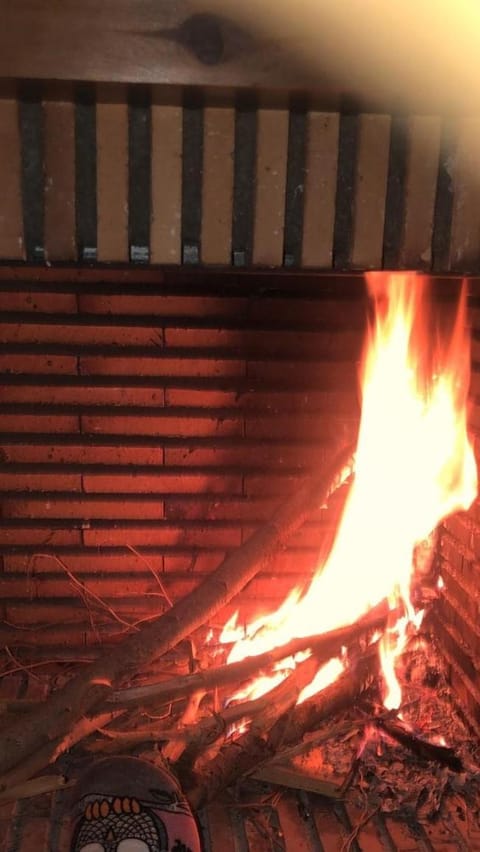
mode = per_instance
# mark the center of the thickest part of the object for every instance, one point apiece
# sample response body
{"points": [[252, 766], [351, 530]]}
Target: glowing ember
{"points": [[414, 467]]}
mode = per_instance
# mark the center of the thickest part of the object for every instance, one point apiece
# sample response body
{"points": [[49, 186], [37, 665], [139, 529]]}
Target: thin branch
{"points": [[85, 692], [82, 588], [152, 571]]}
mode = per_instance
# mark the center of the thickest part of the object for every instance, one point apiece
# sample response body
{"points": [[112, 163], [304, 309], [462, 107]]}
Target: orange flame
{"points": [[414, 466]]}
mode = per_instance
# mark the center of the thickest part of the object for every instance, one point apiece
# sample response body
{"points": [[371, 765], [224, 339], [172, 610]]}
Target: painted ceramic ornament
{"points": [[124, 804]]}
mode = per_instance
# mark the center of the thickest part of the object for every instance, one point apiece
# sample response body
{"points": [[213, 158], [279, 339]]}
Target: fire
{"points": [[414, 466]]}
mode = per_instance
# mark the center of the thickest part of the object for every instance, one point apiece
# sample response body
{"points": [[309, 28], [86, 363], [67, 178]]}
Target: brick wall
{"points": [[165, 412]]}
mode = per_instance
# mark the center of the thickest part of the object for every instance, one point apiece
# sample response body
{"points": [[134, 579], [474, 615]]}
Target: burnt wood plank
{"points": [[85, 173], [11, 224], [139, 174], [59, 123], [465, 234], [395, 203], [345, 189], [442, 220], [192, 165], [32, 159], [294, 202], [420, 189], [244, 180], [112, 176]]}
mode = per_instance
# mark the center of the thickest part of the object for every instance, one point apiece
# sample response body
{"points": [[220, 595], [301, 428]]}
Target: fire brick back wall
{"points": [[149, 423], [456, 619]]}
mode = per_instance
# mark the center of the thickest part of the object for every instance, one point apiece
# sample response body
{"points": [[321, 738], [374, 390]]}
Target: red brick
{"points": [[100, 563], [307, 373], [60, 636], [213, 338], [117, 365], [71, 333], [165, 535], [168, 483], [46, 423], [242, 510], [83, 509], [41, 536], [250, 455], [82, 454], [164, 305], [333, 313], [309, 535], [324, 428], [188, 426], [196, 563], [39, 363], [47, 303], [272, 484], [83, 395], [40, 482], [61, 586], [202, 398]]}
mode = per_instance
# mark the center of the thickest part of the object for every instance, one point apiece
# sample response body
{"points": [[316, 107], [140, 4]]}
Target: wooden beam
{"points": [[211, 43]]}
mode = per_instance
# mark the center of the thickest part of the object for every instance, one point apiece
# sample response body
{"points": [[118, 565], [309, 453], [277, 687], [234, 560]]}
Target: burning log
{"points": [[40, 731], [324, 646], [421, 748], [281, 723], [242, 755]]}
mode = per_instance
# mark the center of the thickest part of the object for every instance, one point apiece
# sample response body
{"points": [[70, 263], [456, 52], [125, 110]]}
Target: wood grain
{"points": [[11, 219], [217, 191], [59, 128], [165, 233], [272, 146], [320, 187], [142, 41], [112, 180]]}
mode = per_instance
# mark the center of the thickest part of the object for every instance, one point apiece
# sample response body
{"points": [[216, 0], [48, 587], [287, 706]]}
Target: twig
{"points": [[82, 587], [324, 646], [152, 571], [18, 665], [60, 712], [423, 749], [35, 787]]}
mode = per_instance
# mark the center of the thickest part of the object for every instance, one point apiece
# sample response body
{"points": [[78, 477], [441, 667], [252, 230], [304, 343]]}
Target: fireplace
{"points": [[183, 310], [153, 420]]}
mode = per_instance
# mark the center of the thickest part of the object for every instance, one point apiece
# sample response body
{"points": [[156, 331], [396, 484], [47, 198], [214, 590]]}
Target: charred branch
{"points": [[35, 732], [325, 646], [421, 748]]}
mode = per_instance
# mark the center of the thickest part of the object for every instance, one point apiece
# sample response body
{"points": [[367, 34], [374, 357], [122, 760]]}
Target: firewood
{"points": [[421, 748], [88, 689], [242, 755], [288, 776], [279, 724], [325, 646], [328, 703], [42, 757]]}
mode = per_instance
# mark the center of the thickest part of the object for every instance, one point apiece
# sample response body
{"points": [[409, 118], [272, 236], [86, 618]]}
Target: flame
{"points": [[414, 466]]}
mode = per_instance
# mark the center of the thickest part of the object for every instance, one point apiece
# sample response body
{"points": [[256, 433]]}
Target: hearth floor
{"points": [[394, 800]]}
